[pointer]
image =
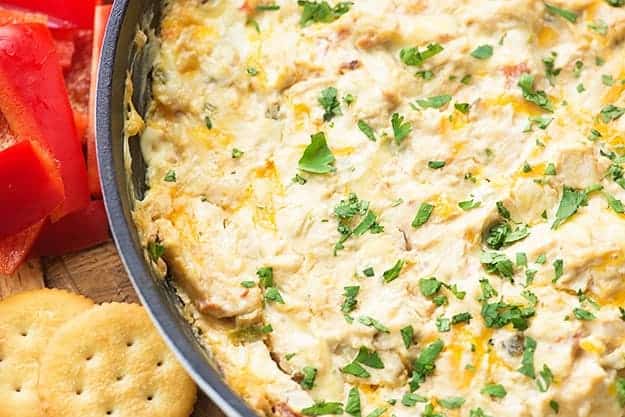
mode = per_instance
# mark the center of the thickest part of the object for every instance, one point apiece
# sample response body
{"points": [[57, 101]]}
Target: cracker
{"points": [[27, 321], [111, 361]]}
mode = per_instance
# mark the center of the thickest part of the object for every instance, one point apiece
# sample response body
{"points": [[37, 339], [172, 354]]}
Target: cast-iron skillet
{"points": [[119, 56]]}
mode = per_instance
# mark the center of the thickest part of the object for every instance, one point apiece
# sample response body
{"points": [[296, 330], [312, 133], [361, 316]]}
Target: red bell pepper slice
{"points": [[63, 37], [102, 14], [75, 232], [30, 187], [34, 102], [78, 12], [14, 249]]}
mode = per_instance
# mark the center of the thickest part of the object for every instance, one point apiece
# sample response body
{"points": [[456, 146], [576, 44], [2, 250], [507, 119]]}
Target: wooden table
{"points": [[98, 274]]}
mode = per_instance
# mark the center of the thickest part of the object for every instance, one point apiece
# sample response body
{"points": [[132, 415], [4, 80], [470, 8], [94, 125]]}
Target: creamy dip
{"points": [[396, 207]]}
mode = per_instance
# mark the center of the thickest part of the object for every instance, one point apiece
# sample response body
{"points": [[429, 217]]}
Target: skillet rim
{"points": [[174, 329]]}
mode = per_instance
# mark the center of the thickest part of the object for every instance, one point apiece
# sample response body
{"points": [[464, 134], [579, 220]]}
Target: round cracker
{"points": [[111, 361], [27, 321]]}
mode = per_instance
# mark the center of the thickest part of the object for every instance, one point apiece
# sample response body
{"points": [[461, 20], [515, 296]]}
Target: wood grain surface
{"points": [[98, 274]]}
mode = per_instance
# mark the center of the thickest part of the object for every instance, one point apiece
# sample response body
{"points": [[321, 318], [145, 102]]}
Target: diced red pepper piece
{"points": [[78, 12], [102, 14], [75, 232], [30, 187], [34, 102], [14, 249]]}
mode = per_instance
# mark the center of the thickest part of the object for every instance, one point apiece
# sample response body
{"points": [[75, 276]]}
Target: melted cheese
{"points": [[236, 98]]}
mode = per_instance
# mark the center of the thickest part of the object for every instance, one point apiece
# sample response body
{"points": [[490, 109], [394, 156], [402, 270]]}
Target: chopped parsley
{"points": [[423, 215], [347, 212], [614, 203], [615, 3], [317, 157], [526, 82], [352, 407], [462, 107], [414, 57], [550, 169], [488, 291], [369, 358], [371, 322], [527, 362], [436, 164], [377, 412], [502, 210], [355, 369], [272, 295], [554, 406], [298, 179], [350, 302], [542, 122], [558, 269], [571, 201], [424, 364], [607, 80], [410, 399], [443, 324], [330, 103], [368, 272], [392, 274], [494, 390], [545, 380], [477, 412], [620, 390], [237, 153], [497, 263], [253, 72], [583, 315], [267, 7], [401, 129], [429, 286], [499, 314], [461, 318], [366, 130], [248, 284], [451, 403], [308, 381], [611, 112], [170, 176], [469, 204], [407, 336], [321, 11], [550, 70], [563, 13], [482, 52], [156, 250], [502, 234], [323, 408], [435, 102]]}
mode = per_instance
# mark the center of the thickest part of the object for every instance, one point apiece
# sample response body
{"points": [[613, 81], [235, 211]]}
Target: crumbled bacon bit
{"points": [[350, 66]]}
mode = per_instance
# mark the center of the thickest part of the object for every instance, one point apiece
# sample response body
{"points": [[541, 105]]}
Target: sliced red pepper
{"points": [[34, 102], [75, 232], [63, 38], [14, 250], [102, 14], [30, 186], [78, 12], [78, 75]]}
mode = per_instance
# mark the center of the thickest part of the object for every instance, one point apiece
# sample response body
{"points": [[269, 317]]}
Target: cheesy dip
{"points": [[393, 208]]}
